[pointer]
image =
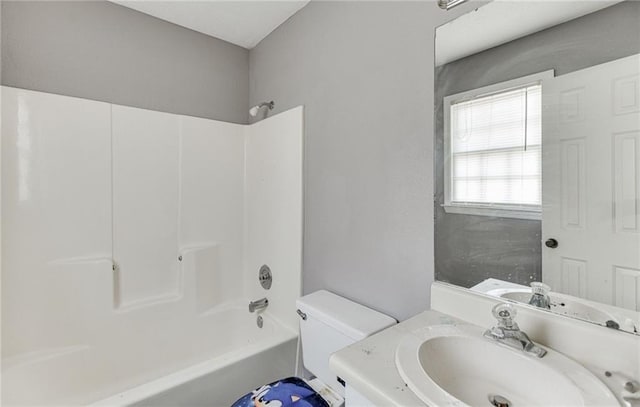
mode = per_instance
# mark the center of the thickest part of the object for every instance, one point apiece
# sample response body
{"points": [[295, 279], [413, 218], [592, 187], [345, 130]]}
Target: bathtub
{"points": [[231, 377], [213, 365], [256, 357]]}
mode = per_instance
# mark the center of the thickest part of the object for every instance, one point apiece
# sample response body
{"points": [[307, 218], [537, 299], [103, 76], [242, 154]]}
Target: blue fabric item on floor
{"points": [[291, 391]]}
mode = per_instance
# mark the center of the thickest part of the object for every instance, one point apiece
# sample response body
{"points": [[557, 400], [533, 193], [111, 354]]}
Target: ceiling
{"points": [[241, 22], [502, 21]]}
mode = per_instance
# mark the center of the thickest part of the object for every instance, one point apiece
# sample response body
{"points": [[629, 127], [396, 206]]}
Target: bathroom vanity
{"points": [[587, 365]]}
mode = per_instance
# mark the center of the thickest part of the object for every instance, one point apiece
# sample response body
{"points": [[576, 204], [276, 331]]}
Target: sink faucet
{"points": [[540, 295], [508, 333], [258, 304]]}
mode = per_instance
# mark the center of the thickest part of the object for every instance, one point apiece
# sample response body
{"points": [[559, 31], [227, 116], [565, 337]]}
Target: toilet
{"points": [[328, 323]]}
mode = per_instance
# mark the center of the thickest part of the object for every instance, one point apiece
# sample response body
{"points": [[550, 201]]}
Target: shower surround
{"points": [[132, 241]]}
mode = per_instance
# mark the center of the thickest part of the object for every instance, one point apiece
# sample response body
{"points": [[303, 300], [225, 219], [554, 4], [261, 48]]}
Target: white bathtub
{"points": [[245, 361], [232, 376], [213, 365]]}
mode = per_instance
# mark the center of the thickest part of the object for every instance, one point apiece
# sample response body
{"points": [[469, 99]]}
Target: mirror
{"points": [[537, 156]]}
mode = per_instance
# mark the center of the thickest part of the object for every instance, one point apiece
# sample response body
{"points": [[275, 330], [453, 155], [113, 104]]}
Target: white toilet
{"points": [[329, 323]]}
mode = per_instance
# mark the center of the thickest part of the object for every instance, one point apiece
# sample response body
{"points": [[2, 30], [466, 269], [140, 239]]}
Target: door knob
{"points": [[551, 243]]}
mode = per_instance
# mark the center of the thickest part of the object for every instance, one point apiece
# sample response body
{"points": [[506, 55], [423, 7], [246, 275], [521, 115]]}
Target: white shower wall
{"points": [[127, 233], [178, 190], [214, 239], [272, 170]]}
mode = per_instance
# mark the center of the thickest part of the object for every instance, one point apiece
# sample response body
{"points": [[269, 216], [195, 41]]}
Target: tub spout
{"points": [[258, 305]]}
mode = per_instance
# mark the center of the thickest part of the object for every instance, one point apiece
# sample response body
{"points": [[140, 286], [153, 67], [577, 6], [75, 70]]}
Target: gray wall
{"points": [[102, 51], [1, 43], [469, 249], [364, 71]]}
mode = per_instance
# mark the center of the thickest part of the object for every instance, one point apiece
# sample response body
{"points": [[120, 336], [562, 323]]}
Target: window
{"points": [[493, 149]]}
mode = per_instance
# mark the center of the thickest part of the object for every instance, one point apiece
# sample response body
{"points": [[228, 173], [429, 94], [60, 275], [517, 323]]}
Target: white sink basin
{"points": [[565, 306], [455, 365]]}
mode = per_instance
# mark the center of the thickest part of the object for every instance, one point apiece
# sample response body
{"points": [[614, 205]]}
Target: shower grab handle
{"points": [[258, 304]]}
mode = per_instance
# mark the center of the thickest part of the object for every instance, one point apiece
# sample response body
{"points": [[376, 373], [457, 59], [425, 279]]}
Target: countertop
{"points": [[369, 365]]}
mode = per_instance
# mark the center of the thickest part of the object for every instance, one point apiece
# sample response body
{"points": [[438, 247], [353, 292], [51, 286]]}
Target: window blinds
{"points": [[496, 148]]}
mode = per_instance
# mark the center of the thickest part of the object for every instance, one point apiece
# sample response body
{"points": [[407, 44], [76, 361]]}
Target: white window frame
{"points": [[533, 212]]}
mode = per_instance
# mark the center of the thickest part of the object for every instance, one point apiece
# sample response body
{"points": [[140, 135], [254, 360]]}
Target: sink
{"points": [[570, 306], [565, 306], [455, 365]]}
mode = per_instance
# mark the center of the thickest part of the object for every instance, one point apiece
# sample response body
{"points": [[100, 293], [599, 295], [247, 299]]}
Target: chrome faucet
{"points": [[508, 333], [540, 295], [258, 305]]}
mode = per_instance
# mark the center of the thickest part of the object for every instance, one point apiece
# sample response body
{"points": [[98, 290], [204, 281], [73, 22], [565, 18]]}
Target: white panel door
{"points": [[145, 205], [591, 183]]}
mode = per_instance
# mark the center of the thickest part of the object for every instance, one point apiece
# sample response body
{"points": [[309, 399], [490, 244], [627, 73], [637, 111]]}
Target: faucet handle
{"points": [[505, 313], [540, 295], [628, 384], [539, 288]]}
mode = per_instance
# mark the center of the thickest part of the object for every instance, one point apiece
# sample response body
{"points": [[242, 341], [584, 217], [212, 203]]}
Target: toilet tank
{"points": [[329, 323]]}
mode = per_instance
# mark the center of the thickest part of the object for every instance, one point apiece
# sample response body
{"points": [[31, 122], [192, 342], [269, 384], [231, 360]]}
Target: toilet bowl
{"points": [[328, 323]]}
